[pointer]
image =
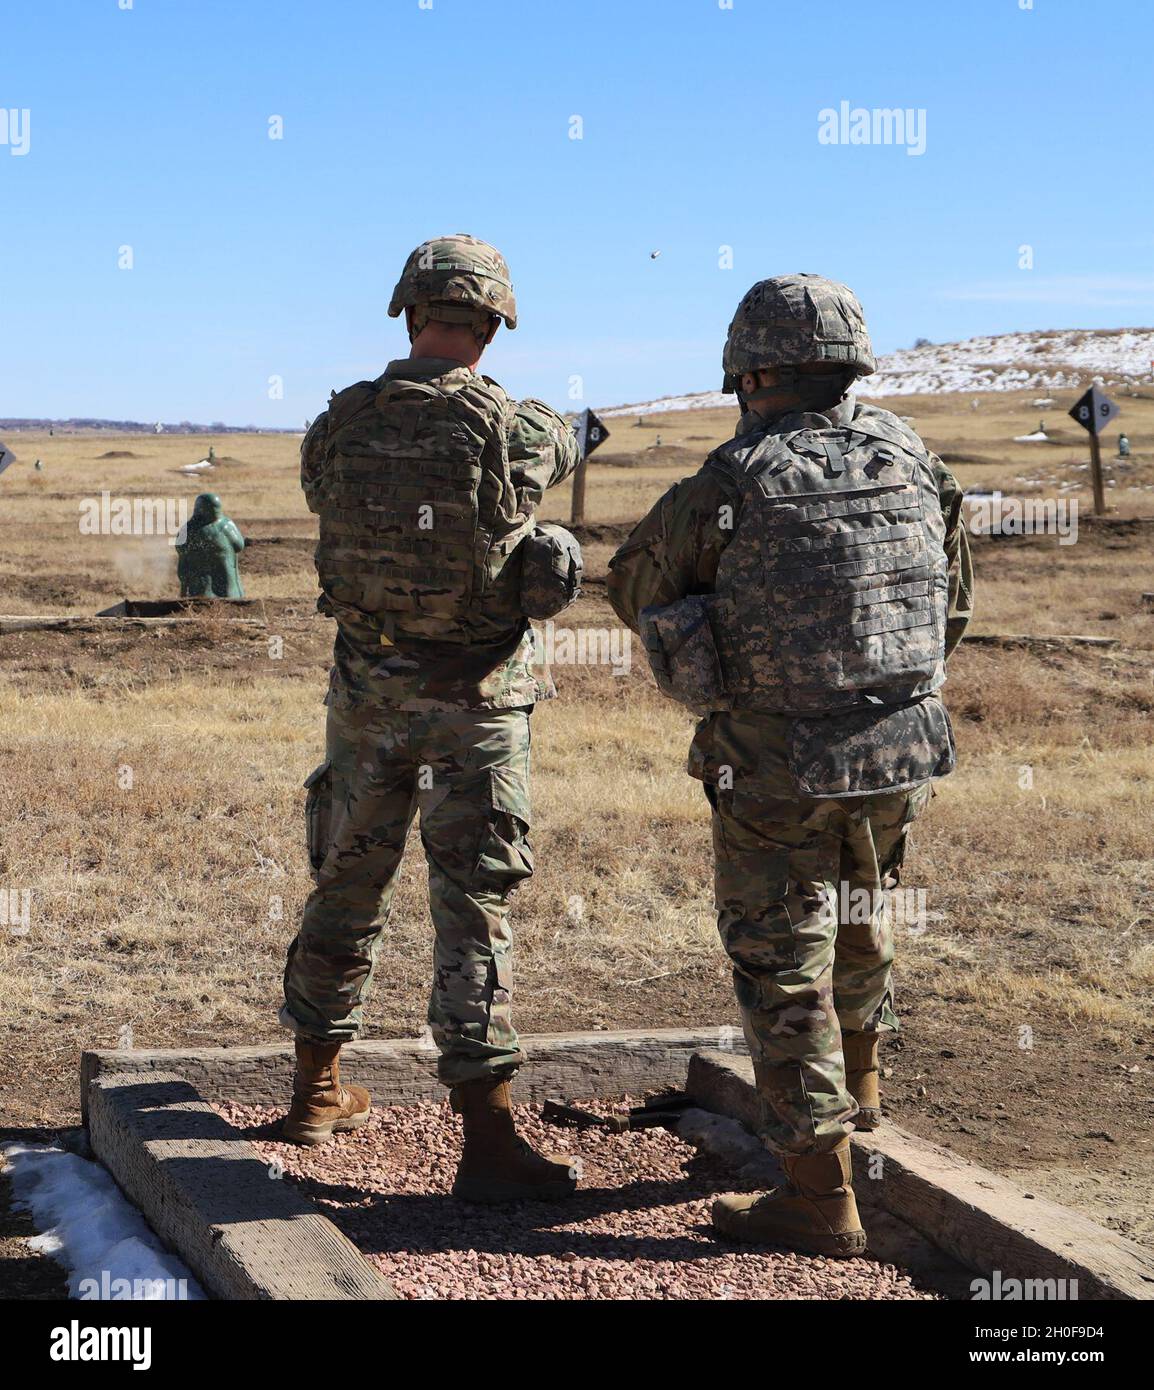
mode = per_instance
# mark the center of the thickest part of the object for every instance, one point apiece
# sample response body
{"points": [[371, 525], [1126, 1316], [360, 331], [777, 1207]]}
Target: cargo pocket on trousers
{"points": [[505, 859], [318, 815], [891, 867]]}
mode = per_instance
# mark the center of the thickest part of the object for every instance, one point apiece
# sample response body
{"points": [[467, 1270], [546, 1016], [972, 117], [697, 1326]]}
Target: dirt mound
{"points": [[670, 453], [118, 454], [618, 460], [279, 555], [61, 590], [603, 532], [651, 456], [951, 457], [105, 654]]}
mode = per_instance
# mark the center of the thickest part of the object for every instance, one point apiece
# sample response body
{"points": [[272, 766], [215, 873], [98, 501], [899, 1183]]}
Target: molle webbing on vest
{"points": [[420, 513], [833, 591]]}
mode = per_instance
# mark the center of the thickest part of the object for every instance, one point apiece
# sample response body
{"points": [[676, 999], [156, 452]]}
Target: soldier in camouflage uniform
{"points": [[801, 593], [426, 481]]}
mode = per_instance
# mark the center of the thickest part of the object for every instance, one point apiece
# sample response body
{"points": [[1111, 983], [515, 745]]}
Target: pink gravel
{"points": [[638, 1228]]}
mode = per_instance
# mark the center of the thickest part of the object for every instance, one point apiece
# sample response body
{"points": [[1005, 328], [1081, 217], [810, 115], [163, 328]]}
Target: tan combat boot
{"points": [[321, 1106], [815, 1213], [496, 1165], [861, 1077]]}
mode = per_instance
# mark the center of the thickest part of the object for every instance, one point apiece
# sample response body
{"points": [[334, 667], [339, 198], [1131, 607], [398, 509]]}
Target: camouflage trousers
{"points": [[805, 967], [466, 772]]}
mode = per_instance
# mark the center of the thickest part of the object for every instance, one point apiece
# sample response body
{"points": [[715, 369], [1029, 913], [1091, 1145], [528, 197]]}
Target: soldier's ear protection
{"points": [[786, 383]]}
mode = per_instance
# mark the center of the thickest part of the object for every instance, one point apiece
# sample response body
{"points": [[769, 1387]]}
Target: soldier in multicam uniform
{"points": [[426, 481], [802, 592]]}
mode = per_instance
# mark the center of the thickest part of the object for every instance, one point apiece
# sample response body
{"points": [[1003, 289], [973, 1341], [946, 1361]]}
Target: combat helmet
{"points": [[791, 320], [460, 275]]}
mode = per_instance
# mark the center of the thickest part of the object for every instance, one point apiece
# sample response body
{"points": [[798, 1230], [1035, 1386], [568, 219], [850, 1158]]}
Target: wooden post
{"points": [[1096, 474], [577, 509]]}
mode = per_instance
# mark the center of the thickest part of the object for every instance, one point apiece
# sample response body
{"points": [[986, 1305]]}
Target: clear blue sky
{"points": [[255, 257]]}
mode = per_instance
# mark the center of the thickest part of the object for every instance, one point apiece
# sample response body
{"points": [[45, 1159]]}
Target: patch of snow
{"points": [[1038, 437], [87, 1225], [1060, 360], [1050, 361], [699, 400]]}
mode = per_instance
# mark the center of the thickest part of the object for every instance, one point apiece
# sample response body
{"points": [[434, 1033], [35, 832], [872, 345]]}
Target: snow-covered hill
{"points": [[1045, 361]]}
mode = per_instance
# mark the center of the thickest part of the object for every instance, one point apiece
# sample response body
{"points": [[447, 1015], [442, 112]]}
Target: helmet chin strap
{"points": [[797, 390]]}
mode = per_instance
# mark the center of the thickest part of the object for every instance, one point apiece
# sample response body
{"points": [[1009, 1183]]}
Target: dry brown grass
{"points": [[155, 906]]}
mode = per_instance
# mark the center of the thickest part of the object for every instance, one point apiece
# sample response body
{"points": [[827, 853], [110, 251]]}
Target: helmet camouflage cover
{"points": [[791, 320], [458, 274]]}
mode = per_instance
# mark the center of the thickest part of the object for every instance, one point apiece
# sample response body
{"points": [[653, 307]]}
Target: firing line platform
{"points": [[208, 1194]]}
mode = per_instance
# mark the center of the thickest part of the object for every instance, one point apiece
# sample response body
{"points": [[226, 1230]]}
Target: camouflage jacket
{"points": [[425, 676], [674, 551]]}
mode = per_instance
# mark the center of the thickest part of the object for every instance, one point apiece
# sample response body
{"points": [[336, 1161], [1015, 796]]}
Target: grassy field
{"points": [[153, 803]]}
